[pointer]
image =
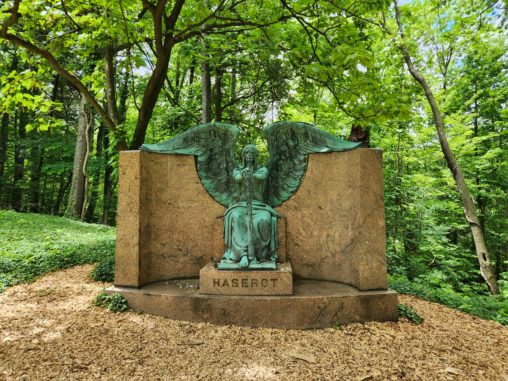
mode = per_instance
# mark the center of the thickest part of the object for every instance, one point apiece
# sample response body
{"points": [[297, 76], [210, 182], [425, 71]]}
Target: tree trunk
{"points": [[164, 41], [44, 192], [65, 181], [218, 94], [108, 181], [19, 161], [178, 83], [4, 137], [77, 191], [110, 83], [118, 113], [479, 199], [486, 267], [94, 195], [398, 198], [192, 70], [89, 143], [124, 94], [37, 160], [152, 91], [206, 93], [232, 102], [54, 94]]}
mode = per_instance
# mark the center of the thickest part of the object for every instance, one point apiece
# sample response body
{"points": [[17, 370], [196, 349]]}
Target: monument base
{"points": [[314, 304], [213, 281]]}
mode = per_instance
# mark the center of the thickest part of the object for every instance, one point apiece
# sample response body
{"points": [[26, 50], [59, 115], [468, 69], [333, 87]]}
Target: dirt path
{"points": [[50, 331]]}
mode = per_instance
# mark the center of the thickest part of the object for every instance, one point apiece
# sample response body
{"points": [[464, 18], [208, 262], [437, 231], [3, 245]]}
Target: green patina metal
{"points": [[250, 191], [213, 145], [289, 144]]}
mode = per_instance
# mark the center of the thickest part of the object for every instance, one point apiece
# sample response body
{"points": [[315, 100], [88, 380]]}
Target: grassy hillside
{"points": [[34, 244]]}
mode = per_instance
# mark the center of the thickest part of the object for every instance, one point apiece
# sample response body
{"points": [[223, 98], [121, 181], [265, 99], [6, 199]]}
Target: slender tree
{"points": [[218, 94], [486, 267], [206, 86], [19, 159], [77, 191]]}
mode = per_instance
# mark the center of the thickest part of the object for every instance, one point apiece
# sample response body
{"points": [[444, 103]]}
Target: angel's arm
{"points": [[237, 175], [261, 173]]}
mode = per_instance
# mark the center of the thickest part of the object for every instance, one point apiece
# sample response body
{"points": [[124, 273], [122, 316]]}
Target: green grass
{"points": [[34, 244]]}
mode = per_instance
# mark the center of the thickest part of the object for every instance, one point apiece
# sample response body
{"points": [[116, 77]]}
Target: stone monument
{"points": [[299, 243]]}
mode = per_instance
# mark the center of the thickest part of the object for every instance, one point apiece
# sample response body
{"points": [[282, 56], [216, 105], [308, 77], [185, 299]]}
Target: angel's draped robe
{"points": [[264, 222]]}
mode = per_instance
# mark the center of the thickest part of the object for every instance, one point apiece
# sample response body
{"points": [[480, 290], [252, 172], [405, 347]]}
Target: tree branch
{"points": [[78, 27], [53, 62]]}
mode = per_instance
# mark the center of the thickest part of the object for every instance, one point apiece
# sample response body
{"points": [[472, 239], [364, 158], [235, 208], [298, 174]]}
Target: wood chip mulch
{"points": [[49, 330]]}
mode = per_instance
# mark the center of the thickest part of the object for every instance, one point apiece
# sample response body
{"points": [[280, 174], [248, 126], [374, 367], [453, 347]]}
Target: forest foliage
{"points": [[81, 80]]}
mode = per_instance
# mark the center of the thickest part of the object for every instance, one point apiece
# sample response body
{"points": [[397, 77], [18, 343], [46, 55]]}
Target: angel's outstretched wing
{"points": [[214, 146], [289, 144]]}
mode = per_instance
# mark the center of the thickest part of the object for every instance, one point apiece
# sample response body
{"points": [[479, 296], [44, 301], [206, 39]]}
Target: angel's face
{"points": [[249, 156]]}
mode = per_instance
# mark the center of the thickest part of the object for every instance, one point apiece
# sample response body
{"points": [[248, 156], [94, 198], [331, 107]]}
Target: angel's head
{"points": [[250, 154]]}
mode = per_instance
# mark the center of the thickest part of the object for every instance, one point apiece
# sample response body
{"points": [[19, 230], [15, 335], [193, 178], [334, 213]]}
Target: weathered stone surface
{"points": [[241, 282], [315, 304], [335, 222], [281, 232], [169, 227], [128, 220], [166, 220], [177, 233]]}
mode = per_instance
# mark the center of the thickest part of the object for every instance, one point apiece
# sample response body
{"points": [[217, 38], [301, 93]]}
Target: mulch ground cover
{"points": [[49, 330]]}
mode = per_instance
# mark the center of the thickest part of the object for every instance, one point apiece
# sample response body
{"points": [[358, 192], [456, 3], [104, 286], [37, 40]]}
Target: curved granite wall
{"points": [[169, 227]]}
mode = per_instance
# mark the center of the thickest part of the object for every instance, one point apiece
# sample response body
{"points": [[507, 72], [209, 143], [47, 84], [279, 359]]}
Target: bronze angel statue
{"points": [[251, 191]]}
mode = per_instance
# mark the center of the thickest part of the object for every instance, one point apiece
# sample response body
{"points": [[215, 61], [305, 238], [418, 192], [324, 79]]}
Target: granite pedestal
{"points": [[240, 282], [314, 304]]}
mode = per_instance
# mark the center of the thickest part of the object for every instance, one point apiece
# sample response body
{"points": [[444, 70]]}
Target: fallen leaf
{"points": [[302, 356], [452, 370], [197, 342]]}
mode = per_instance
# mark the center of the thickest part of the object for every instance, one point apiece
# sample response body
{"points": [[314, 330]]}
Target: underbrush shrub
{"points": [[503, 285], [113, 302], [491, 307], [409, 313], [104, 271]]}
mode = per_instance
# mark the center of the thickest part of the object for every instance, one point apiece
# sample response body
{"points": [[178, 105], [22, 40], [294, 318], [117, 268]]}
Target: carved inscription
{"points": [[245, 282], [253, 283]]}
